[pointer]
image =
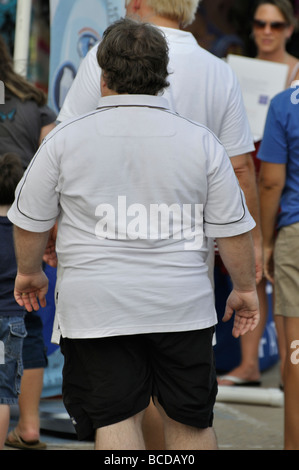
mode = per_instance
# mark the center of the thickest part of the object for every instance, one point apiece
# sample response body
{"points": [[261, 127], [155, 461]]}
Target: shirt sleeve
{"points": [[85, 91], [226, 213], [235, 133], [36, 206], [274, 147], [47, 116]]}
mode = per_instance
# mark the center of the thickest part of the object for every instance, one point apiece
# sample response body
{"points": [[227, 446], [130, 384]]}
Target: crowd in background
{"points": [[222, 27]]}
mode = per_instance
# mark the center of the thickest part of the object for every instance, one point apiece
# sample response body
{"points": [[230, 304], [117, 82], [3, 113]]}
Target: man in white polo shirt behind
{"points": [[136, 189]]}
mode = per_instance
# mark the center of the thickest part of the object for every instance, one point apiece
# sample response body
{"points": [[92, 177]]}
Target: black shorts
{"points": [[108, 380]]}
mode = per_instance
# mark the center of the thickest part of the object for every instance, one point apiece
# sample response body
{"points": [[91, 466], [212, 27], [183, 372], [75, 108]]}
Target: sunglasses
{"points": [[274, 25]]}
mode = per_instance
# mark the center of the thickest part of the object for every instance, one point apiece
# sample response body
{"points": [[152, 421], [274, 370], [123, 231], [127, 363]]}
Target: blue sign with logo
{"points": [[76, 26]]}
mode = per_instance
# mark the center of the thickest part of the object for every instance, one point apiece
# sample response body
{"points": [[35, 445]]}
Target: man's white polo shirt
{"points": [[136, 189], [202, 87]]}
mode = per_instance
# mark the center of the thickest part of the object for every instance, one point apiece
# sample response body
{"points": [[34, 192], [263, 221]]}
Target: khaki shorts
{"points": [[286, 260]]}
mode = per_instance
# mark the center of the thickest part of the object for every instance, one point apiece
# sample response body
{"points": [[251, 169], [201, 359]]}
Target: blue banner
{"points": [[76, 25]]}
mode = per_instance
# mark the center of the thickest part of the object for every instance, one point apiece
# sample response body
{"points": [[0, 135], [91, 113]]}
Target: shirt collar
{"points": [[133, 100], [178, 36]]}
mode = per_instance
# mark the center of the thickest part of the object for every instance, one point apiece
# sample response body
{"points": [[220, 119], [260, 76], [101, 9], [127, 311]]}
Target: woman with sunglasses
{"points": [[273, 25], [274, 22]]}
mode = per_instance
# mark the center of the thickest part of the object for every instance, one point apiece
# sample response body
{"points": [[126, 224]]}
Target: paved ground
{"points": [[239, 426]]}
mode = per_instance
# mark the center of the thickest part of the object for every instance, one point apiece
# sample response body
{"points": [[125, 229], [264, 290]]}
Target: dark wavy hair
{"points": [[11, 171], [14, 83], [133, 57]]}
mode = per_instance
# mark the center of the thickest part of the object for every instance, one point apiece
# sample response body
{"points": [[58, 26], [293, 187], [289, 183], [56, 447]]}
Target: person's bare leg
{"points": [[4, 423], [152, 428], [179, 436], [291, 386], [125, 435], [28, 427], [281, 340]]}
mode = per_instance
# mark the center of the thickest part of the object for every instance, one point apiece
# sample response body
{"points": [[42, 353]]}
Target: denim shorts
{"points": [[12, 334]]}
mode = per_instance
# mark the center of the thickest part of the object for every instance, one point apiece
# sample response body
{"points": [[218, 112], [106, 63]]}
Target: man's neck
{"points": [[107, 92], [164, 22], [146, 14]]}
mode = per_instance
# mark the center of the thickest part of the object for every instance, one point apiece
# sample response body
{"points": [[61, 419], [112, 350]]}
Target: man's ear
{"points": [[103, 85], [136, 4]]}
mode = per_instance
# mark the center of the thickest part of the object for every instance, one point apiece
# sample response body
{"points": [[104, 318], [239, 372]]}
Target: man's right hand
{"points": [[246, 308]]}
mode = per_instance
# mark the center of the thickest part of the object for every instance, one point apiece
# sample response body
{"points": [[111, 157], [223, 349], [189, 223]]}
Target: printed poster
{"points": [[260, 81]]}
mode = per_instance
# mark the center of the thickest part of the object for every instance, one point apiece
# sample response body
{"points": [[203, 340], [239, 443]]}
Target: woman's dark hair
{"points": [[284, 6], [11, 171], [14, 83], [133, 57]]}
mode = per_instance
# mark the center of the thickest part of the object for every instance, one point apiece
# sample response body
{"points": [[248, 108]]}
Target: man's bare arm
{"points": [[31, 284], [271, 183], [238, 256], [245, 171]]}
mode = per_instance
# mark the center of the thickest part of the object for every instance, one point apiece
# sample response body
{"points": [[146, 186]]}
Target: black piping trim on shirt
{"points": [[211, 132], [233, 222], [108, 108], [36, 155], [63, 126]]}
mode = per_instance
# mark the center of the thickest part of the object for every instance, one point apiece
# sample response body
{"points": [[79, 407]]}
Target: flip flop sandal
{"points": [[18, 443], [236, 381]]}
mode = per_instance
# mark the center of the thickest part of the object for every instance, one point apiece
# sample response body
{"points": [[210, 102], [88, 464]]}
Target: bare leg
{"points": [[29, 399], [291, 386], [281, 339], [4, 423], [152, 428], [181, 437], [125, 435]]}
